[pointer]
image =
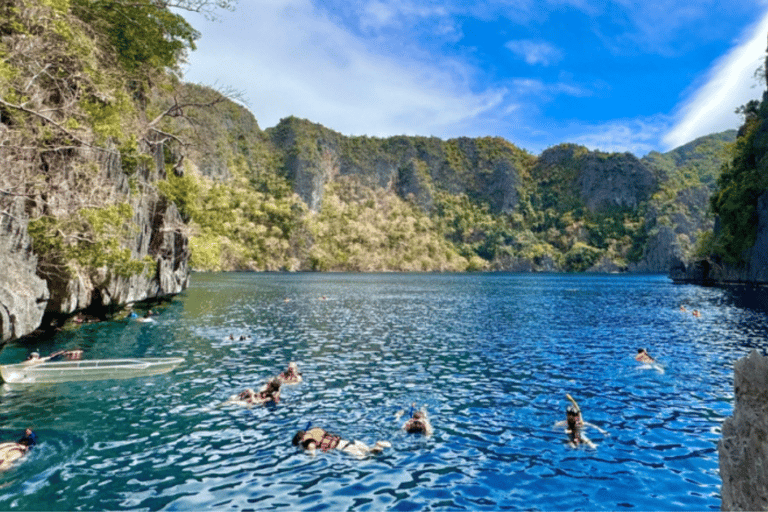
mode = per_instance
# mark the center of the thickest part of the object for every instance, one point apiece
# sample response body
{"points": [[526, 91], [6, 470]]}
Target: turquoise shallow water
{"points": [[491, 355]]}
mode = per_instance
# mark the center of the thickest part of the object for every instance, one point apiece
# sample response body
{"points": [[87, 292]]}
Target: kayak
{"points": [[97, 369], [10, 452]]}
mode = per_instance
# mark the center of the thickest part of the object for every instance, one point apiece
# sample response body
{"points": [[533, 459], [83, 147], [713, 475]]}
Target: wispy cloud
{"points": [[729, 84], [638, 136], [535, 52], [380, 14], [321, 71]]}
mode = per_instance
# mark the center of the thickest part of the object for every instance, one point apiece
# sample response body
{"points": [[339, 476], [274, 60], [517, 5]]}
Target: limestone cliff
{"points": [[488, 169], [83, 226], [29, 301], [23, 295], [743, 449]]}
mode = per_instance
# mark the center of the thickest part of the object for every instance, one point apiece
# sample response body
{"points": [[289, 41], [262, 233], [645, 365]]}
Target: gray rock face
{"points": [[26, 299], [754, 272], [23, 295], [617, 180], [743, 449], [159, 236]]}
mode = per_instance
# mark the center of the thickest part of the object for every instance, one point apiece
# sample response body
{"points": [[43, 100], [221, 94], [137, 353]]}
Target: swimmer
{"points": [[682, 309], [29, 439], [644, 357], [696, 313], [291, 375], [316, 438], [649, 363], [418, 422], [575, 425], [11, 451], [270, 392]]}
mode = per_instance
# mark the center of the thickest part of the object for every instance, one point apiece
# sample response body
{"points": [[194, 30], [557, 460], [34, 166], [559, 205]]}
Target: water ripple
{"points": [[490, 356]]}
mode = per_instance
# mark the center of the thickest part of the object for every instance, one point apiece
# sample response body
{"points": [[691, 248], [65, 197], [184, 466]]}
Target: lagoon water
{"points": [[492, 356]]}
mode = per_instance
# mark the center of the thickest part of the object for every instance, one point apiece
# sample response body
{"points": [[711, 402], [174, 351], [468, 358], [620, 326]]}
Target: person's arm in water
{"points": [[604, 432]]}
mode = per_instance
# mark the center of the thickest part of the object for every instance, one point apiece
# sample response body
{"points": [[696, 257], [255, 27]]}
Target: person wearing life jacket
{"points": [[644, 357], [270, 392], [291, 375], [316, 438]]}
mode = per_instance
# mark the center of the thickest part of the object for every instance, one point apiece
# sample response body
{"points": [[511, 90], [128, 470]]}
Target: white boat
{"points": [[97, 369]]}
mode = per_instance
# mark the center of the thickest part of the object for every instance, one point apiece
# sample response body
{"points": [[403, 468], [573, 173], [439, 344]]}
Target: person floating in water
{"points": [[11, 451], [418, 423], [291, 375], [575, 425], [643, 356], [270, 392], [647, 361], [29, 439], [317, 438]]}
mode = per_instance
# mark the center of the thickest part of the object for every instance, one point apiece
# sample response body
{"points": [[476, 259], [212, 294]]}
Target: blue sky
{"points": [[614, 75]]}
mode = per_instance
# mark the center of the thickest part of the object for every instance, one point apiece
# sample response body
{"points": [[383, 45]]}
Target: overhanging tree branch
{"points": [[52, 123]]}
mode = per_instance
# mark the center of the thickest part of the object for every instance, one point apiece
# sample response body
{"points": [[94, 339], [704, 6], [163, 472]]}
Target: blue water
{"points": [[491, 355]]}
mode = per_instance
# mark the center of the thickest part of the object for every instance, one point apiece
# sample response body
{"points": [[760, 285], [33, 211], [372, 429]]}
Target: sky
{"points": [[612, 75]]}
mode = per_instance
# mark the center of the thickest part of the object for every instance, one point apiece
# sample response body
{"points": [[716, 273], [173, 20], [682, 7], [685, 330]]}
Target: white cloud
{"points": [[378, 14], [289, 59], [729, 84], [535, 52], [638, 136]]}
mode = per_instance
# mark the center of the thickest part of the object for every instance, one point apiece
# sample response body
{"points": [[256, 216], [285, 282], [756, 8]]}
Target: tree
{"points": [[147, 34]]}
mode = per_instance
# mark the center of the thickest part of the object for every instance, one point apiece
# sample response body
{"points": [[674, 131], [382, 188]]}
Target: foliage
{"points": [[91, 238], [742, 181], [143, 33], [361, 229]]}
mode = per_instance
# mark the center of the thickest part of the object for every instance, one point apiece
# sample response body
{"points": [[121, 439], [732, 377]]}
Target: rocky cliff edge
{"points": [[743, 448]]}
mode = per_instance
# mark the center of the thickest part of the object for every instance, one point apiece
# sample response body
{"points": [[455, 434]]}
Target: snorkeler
{"points": [[291, 375], [575, 425], [644, 357], [11, 451], [418, 423], [270, 392], [316, 438]]}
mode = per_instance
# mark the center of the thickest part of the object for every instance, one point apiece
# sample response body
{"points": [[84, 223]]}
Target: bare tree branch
{"points": [[52, 122]]}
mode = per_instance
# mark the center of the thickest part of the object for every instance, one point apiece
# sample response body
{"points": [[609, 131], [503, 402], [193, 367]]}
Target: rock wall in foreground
{"points": [[743, 448], [23, 295]]}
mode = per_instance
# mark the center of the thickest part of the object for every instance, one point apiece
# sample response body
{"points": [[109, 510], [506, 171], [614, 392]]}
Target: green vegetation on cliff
{"points": [[79, 128], [743, 180]]}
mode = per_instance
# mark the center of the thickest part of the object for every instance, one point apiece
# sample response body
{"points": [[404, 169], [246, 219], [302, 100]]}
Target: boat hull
{"points": [[99, 369]]}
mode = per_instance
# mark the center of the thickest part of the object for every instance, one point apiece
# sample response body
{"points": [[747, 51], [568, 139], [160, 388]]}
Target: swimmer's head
{"points": [[34, 355], [572, 410], [298, 438]]}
